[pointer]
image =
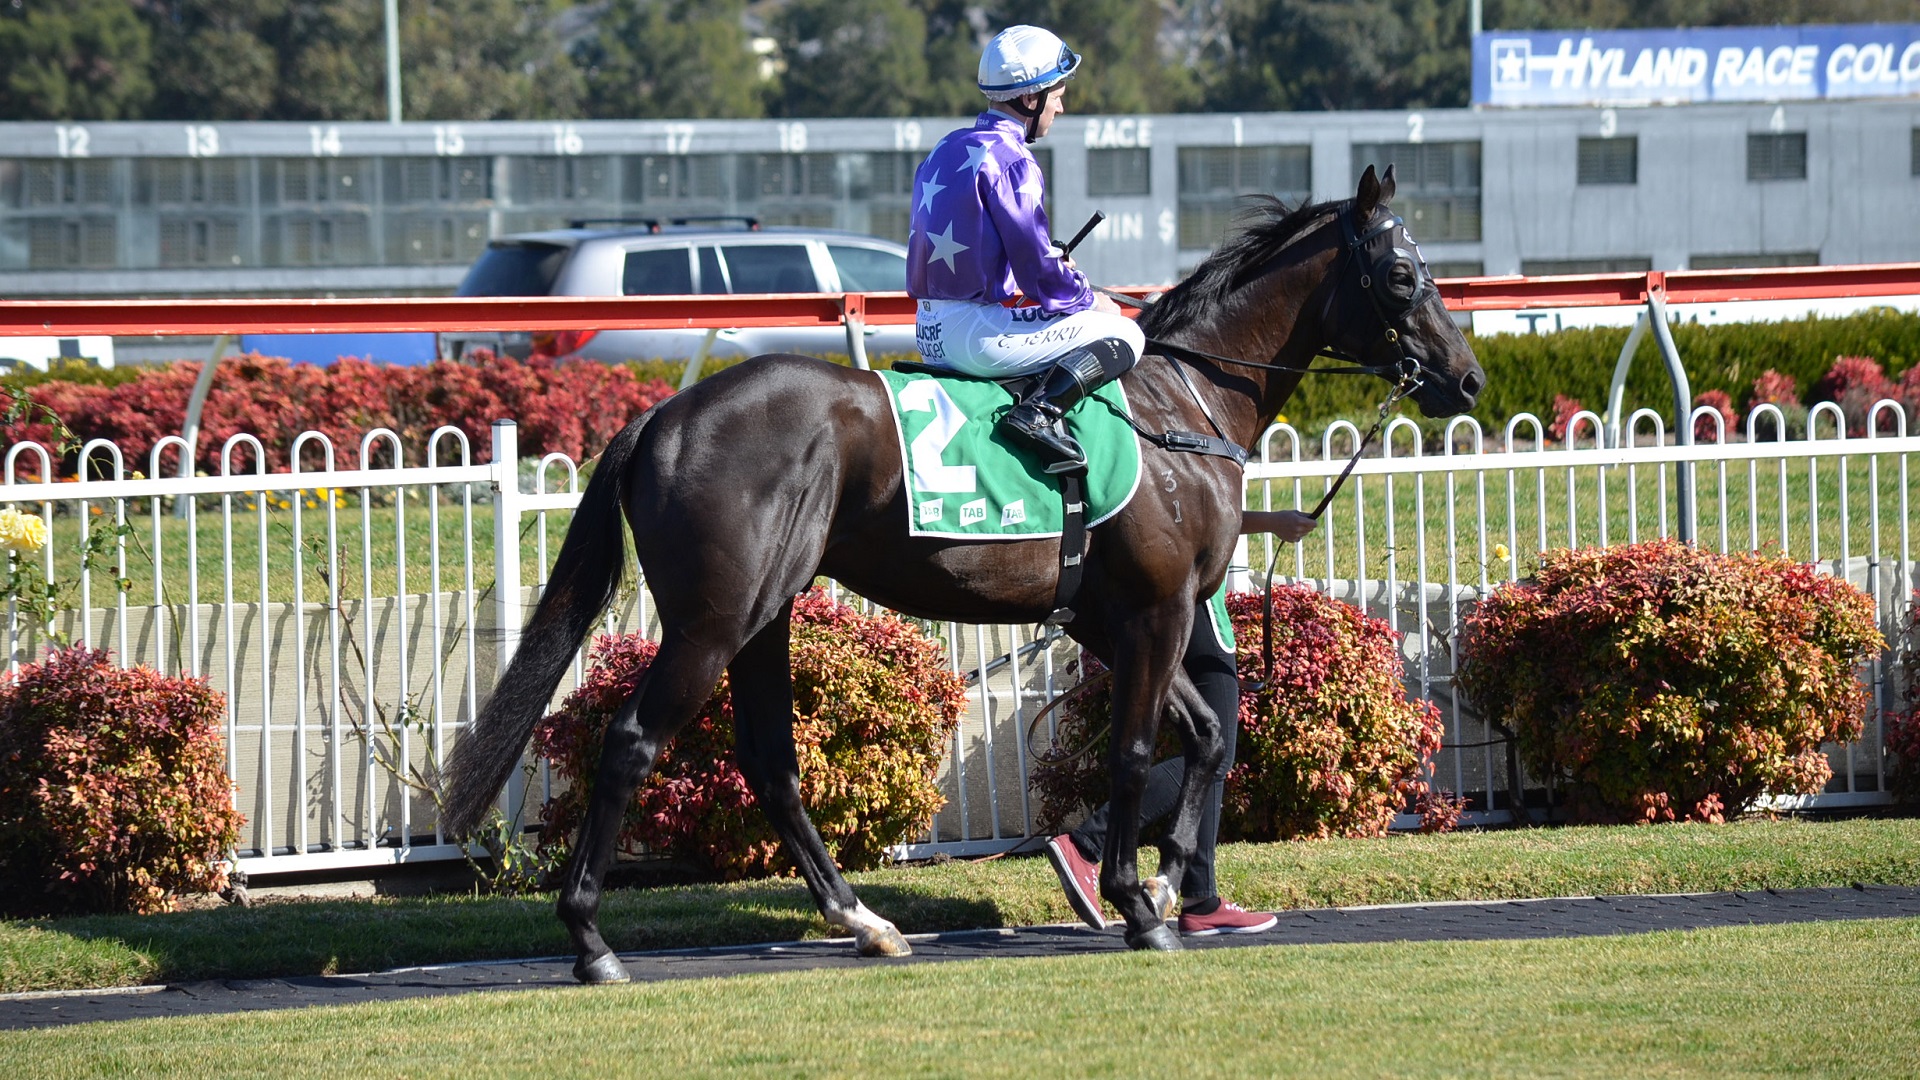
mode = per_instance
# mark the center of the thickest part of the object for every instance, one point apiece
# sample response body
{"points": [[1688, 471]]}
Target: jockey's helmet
{"points": [[1024, 60]]}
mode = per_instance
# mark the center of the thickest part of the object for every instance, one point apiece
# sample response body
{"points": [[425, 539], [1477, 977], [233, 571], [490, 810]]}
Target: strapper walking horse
{"points": [[742, 489]]}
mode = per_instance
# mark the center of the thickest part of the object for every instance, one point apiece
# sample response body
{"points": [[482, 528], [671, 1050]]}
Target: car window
{"points": [[864, 269], [712, 279], [770, 268], [658, 272], [514, 269]]}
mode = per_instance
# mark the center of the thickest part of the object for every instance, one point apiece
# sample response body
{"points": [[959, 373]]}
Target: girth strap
{"points": [[1073, 545]]}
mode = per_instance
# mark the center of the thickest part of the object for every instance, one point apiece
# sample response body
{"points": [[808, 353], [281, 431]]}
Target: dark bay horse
{"points": [[742, 489]]}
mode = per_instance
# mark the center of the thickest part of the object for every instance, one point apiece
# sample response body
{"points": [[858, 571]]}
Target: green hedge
{"points": [[1525, 371]]}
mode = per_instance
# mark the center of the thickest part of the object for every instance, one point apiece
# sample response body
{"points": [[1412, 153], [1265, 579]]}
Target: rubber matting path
{"points": [[1457, 921]]}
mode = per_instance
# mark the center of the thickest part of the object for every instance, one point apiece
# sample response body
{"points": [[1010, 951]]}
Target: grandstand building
{"points": [[231, 209]]}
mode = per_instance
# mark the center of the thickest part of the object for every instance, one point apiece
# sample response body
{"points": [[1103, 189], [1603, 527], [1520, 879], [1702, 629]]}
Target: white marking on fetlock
{"points": [[872, 935], [1160, 896]]}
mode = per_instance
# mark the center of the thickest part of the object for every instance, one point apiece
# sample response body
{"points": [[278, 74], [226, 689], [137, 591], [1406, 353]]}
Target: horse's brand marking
{"points": [[1176, 511], [930, 474], [931, 510], [1172, 484], [973, 511], [1013, 513]]}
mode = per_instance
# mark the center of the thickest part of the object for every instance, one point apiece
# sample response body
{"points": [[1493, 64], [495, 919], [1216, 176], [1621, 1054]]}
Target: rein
{"points": [[1405, 372]]}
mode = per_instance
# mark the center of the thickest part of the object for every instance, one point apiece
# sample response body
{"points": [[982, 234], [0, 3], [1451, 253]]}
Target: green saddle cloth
{"points": [[967, 481]]}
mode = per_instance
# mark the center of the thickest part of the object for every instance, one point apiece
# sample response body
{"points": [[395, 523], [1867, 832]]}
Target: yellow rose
{"points": [[1500, 552], [24, 533]]}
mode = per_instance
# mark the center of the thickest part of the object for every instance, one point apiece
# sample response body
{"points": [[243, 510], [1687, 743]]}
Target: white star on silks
{"points": [[1031, 188], [945, 247], [928, 189], [976, 157]]}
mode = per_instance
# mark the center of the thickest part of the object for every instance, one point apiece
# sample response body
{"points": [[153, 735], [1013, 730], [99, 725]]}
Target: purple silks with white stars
{"points": [[978, 230]]}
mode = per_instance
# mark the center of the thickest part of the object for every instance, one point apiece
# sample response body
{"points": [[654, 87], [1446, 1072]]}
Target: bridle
{"points": [[1372, 270], [1373, 274]]}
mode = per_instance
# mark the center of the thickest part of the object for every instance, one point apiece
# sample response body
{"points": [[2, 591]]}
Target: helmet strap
{"points": [[1033, 114]]}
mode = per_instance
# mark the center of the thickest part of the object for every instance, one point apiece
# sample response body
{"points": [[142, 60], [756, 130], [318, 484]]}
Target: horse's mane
{"points": [[1262, 226]]}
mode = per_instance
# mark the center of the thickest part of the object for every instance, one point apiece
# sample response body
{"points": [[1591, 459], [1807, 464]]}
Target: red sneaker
{"points": [[1080, 879], [1226, 919]]}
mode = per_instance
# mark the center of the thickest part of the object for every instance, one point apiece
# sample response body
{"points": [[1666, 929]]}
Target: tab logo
{"points": [[1013, 513], [973, 512], [931, 510]]}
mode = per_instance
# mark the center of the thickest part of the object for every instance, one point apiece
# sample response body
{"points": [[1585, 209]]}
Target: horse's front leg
{"points": [[1203, 750], [1146, 653]]}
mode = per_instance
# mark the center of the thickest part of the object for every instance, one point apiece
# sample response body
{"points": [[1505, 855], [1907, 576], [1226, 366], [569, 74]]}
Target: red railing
{"points": [[73, 318]]}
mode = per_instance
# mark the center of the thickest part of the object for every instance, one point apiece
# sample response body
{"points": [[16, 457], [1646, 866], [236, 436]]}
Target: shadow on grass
{"points": [[344, 936]]}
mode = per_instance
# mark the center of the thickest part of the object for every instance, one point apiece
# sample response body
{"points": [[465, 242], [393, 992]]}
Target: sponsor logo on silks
{"points": [[975, 511], [1013, 513], [931, 510]]}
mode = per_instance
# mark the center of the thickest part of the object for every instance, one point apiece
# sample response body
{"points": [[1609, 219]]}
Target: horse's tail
{"points": [[587, 572]]}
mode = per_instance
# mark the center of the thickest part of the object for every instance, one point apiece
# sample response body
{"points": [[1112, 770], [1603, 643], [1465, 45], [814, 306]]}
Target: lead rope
{"points": [[1407, 385]]}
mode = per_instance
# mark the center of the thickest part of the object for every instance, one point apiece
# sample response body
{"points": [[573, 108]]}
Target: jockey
{"points": [[995, 296]]}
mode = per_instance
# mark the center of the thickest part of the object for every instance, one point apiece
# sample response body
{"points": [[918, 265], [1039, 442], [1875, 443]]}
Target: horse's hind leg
{"points": [[677, 683], [762, 688]]}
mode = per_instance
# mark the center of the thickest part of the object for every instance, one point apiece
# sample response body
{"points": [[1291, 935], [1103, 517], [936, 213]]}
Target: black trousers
{"points": [[1212, 670]]}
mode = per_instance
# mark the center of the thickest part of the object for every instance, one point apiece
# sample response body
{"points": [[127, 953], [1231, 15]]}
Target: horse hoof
{"points": [[1160, 895], [883, 942], [1159, 938], [602, 969]]}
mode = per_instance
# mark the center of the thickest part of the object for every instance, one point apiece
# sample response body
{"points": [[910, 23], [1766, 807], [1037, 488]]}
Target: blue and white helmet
{"points": [[1024, 60]]}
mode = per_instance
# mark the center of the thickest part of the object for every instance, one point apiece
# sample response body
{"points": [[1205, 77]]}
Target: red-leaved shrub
{"points": [[1332, 746], [875, 707], [1704, 429], [1780, 391], [1659, 681], [1855, 383], [571, 407], [1903, 724], [113, 787], [1564, 409]]}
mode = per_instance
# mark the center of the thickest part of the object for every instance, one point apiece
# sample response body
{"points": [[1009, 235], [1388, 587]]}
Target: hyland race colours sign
{"points": [[1675, 67]]}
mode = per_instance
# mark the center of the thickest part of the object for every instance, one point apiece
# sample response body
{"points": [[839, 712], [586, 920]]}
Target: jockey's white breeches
{"points": [[994, 341]]}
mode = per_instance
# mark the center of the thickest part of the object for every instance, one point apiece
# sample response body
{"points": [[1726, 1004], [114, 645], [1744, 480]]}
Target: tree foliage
{"points": [[82, 59], [670, 58], [502, 59]]}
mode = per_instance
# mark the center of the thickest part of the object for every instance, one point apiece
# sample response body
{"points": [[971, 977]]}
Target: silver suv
{"points": [[646, 257]]}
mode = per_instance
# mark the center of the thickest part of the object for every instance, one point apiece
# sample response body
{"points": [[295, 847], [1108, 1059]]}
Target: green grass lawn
{"points": [[347, 936], [1828, 999]]}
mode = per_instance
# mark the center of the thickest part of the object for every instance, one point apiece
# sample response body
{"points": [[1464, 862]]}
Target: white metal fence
{"points": [[352, 607]]}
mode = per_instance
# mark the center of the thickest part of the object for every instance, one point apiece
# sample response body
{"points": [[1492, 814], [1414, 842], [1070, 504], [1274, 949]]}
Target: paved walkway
{"points": [[1460, 921]]}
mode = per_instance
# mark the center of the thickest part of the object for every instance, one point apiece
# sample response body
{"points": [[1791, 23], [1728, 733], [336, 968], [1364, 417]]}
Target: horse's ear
{"points": [[1386, 186], [1368, 196]]}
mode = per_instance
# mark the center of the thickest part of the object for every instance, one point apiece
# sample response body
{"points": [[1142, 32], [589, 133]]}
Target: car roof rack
{"points": [[652, 224], [752, 223]]}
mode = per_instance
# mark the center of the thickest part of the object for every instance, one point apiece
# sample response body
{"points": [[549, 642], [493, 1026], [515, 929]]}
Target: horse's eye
{"points": [[1401, 279]]}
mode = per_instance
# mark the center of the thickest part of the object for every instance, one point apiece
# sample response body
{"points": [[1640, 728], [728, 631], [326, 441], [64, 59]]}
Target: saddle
{"points": [[1073, 498]]}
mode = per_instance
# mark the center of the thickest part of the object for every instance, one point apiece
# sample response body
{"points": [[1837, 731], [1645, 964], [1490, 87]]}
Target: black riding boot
{"points": [[1036, 423]]}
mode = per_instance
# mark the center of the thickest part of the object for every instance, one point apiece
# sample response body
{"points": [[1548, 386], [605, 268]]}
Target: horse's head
{"points": [[1382, 308]]}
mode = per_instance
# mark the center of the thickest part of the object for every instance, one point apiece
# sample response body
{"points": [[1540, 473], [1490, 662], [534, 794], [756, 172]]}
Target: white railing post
{"points": [[506, 569]]}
